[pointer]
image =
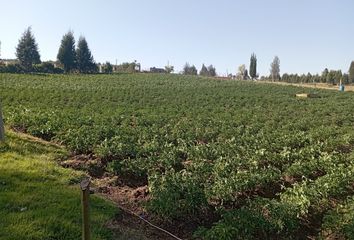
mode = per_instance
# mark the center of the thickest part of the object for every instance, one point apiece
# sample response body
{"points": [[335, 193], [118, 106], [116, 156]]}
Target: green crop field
{"points": [[242, 160]]}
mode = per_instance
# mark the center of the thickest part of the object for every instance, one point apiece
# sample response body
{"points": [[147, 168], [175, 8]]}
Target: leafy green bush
{"points": [[176, 194], [47, 67], [260, 219], [11, 68]]}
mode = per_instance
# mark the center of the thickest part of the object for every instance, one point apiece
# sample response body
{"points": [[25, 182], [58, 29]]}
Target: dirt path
{"points": [[348, 88]]}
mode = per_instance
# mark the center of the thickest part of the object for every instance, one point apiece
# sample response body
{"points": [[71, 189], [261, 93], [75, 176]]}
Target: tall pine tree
{"points": [[27, 50], [351, 72], [253, 66], [203, 71], [324, 75], [67, 54], [85, 62], [211, 71], [189, 70]]}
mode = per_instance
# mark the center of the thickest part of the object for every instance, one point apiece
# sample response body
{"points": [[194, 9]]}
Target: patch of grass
{"points": [[37, 197]]}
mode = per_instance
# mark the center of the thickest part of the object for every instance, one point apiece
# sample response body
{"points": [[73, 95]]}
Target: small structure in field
{"points": [[157, 70], [306, 95]]}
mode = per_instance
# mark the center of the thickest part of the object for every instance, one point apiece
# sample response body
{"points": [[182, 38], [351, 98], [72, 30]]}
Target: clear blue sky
{"points": [[307, 35]]}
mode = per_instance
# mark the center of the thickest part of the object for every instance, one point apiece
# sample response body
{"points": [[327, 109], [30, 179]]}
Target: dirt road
{"points": [[348, 88]]}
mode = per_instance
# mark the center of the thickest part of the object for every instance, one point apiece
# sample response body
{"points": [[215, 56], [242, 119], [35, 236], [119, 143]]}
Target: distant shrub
{"points": [[127, 67], [11, 68], [37, 68], [46, 67], [107, 68]]}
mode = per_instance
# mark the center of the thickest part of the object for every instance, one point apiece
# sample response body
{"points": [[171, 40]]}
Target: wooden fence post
{"points": [[2, 128], [85, 197]]}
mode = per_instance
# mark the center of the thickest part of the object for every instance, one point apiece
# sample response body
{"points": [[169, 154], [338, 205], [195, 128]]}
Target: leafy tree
{"points": [[108, 68], [204, 71], [27, 50], [189, 70], [84, 58], [275, 69], [253, 66], [211, 71], [240, 72], [67, 54], [127, 67], [169, 68], [351, 72], [45, 67]]}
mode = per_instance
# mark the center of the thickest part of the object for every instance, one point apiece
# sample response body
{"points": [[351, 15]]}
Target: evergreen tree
{"points": [[245, 75], [204, 71], [193, 70], [275, 69], [309, 78], [253, 66], [189, 70], [345, 79], [27, 50], [285, 77], [351, 72], [67, 54], [211, 71], [324, 75], [84, 58], [331, 77], [338, 76]]}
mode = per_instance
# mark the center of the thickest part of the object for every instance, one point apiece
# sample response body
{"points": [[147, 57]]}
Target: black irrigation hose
{"points": [[151, 224]]}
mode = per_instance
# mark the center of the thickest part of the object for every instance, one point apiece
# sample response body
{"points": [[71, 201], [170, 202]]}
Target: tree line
{"points": [[70, 58], [327, 76], [79, 59], [244, 74], [209, 71]]}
